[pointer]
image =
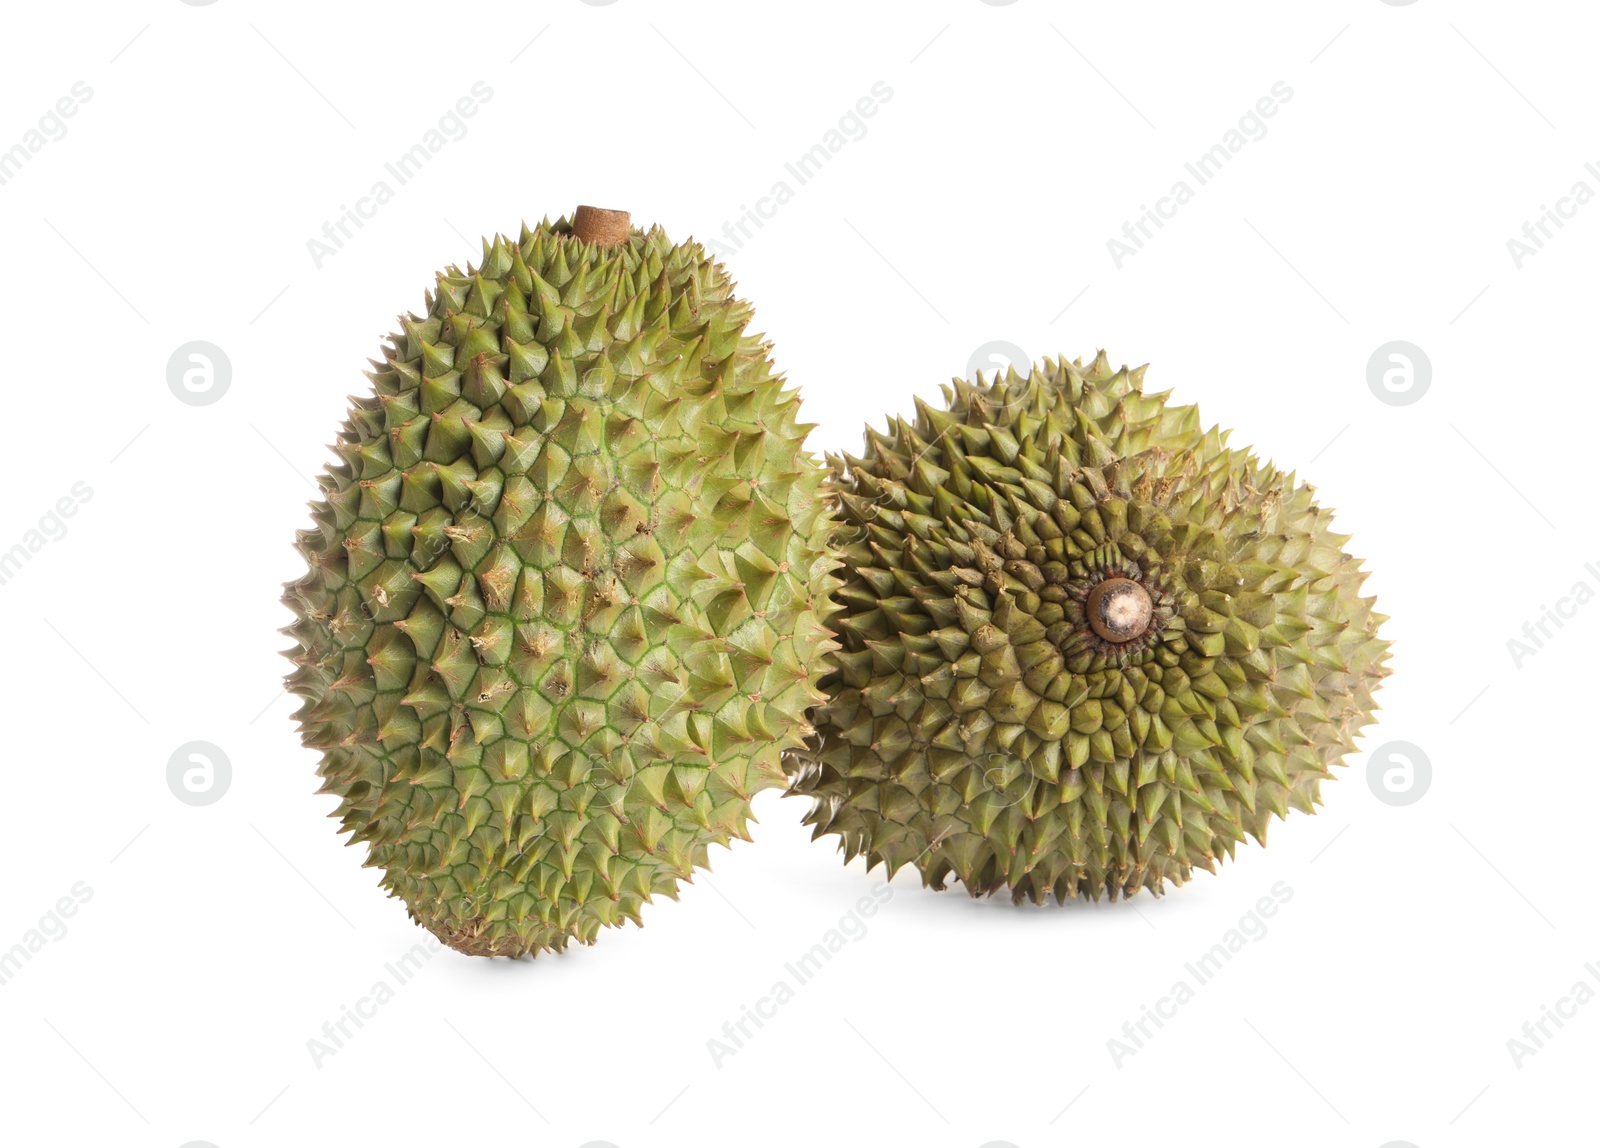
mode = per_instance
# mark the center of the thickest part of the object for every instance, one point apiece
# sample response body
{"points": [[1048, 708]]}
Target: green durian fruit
{"points": [[567, 579], [1086, 647]]}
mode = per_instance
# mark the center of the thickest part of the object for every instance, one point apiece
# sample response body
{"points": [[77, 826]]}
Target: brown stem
{"points": [[601, 225], [1119, 609]]}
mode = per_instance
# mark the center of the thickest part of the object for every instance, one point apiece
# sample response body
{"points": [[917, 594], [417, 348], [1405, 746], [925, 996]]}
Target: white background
{"points": [[976, 208]]}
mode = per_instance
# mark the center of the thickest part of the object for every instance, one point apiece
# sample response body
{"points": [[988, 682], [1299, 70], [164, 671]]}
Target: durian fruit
{"points": [[566, 584], [1086, 647]]}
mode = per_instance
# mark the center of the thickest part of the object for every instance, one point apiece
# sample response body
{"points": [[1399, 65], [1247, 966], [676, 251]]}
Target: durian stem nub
{"points": [[1119, 609], [601, 225]]}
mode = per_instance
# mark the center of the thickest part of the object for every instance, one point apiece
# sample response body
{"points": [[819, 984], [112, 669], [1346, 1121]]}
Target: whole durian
{"points": [[567, 576], [1086, 647]]}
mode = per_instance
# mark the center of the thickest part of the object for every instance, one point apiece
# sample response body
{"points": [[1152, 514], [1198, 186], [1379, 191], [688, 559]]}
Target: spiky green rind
{"points": [[976, 726], [566, 586]]}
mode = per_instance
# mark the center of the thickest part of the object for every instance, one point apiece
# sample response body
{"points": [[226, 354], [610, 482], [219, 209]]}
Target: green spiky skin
{"points": [[977, 727], [566, 586]]}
